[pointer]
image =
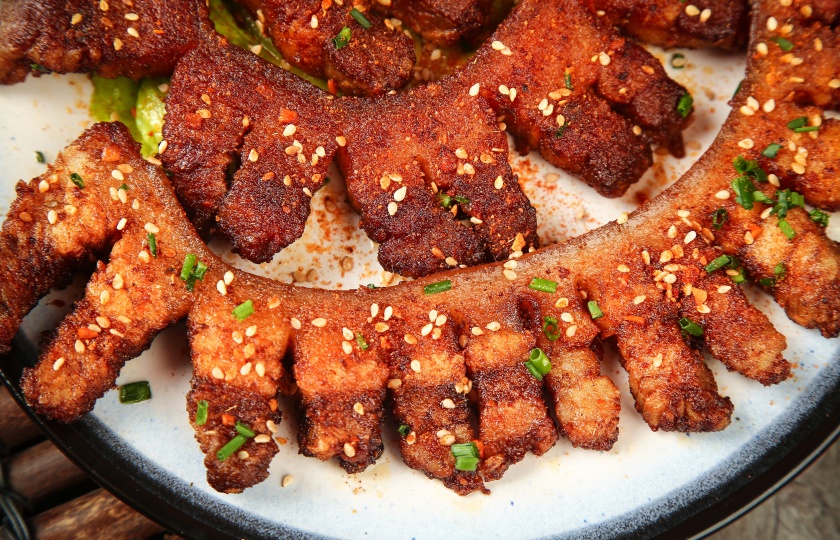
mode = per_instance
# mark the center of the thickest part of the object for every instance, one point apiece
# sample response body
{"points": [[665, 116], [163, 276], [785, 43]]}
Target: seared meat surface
{"points": [[672, 265], [135, 39], [440, 21], [370, 60]]}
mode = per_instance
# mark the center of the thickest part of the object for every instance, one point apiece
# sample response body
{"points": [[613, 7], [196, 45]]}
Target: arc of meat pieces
{"points": [[426, 169], [137, 40], [644, 274]]}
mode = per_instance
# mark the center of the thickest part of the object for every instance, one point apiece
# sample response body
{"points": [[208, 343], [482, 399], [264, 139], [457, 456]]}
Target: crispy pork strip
{"points": [[225, 107], [439, 21], [373, 62], [414, 181], [700, 24], [591, 101], [634, 278], [139, 39], [428, 386]]}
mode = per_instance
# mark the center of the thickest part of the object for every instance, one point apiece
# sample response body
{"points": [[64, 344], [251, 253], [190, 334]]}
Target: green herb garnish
{"points": [[76, 179], [719, 217], [343, 38], [135, 392], [244, 310], [543, 285], [201, 412], [594, 310], [690, 327], [360, 18], [437, 287], [684, 105]]}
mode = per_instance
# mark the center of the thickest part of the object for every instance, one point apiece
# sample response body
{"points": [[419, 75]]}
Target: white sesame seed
{"points": [[151, 228], [237, 338], [762, 49], [118, 44], [474, 89], [670, 278], [58, 363], [746, 143], [381, 327], [260, 369], [218, 373], [772, 23], [296, 323], [705, 15], [497, 45], [561, 120], [689, 238], [834, 84], [622, 218], [221, 287], [426, 330], [287, 480], [204, 113], [509, 274], [389, 312], [320, 322], [243, 455], [797, 168], [132, 16], [104, 297], [499, 183], [246, 369], [447, 404], [399, 195], [639, 299], [392, 208], [504, 90], [753, 104], [262, 438], [691, 10], [746, 111], [548, 110], [494, 326], [313, 22], [133, 32], [249, 350], [604, 58], [52, 217], [774, 180], [723, 289], [571, 331], [415, 366], [253, 155], [346, 347], [567, 317], [658, 360], [703, 308], [117, 282], [76, 19], [144, 256], [476, 331], [766, 213], [623, 268], [290, 130], [347, 333], [341, 141], [359, 408]]}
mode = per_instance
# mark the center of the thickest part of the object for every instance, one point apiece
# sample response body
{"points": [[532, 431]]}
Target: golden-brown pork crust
{"points": [[440, 21], [137, 40], [374, 61], [591, 101], [704, 23], [642, 274]]}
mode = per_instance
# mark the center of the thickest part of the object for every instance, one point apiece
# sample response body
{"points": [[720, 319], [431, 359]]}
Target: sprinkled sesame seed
{"points": [[440, 320], [151, 228], [320, 322], [691, 10], [658, 360], [204, 113], [313, 22], [504, 90], [705, 15], [497, 45], [117, 44], [766, 213], [474, 89], [623, 268], [58, 363], [567, 317], [262, 438], [287, 480], [746, 143], [797, 168], [426, 330], [646, 257], [494, 326], [253, 155], [359, 408], [341, 141], [447, 404], [672, 232], [104, 297], [399, 195], [670, 278], [834, 84], [746, 111], [415, 366], [392, 208], [132, 16], [260, 369], [290, 130], [499, 183], [772, 23], [114, 332], [622, 218], [381, 327], [347, 333], [250, 350], [118, 282], [604, 58], [52, 217], [571, 331], [221, 287], [689, 238], [236, 336], [346, 347], [476, 331], [246, 369], [133, 32], [773, 180], [76, 19], [703, 308], [243, 455], [561, 120], [218, 373], [296, 323], [509, 274], [762, 49]]}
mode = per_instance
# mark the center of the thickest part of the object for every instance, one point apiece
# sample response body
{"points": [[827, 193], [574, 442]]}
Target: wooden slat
{"points": [[15, 427], [40, 472]]}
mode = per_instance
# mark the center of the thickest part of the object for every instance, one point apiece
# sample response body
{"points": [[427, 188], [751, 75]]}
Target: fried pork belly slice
{"points": [[419, 166], [137, 39], [227, 108], [127, 301], [238, 371], [440, 21], [568, 84], [513, 418], [373, 61], [701, 24], [586, 403], [341, 383], [428, 387]]}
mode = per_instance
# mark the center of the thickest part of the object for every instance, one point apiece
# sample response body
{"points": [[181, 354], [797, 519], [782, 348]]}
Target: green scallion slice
{"points": [[360, 18], [719, 217], [360, 340], [771, 151], [76, 179], [187, 267], [404, 430], [560, 131], [244, 430], [718, 263], [467, 449], [740, 277], [783, 44], [39, 157], [690, 327], [135, 392], [152, 244], [540, 360], [787, 230], [200, 270], [678, 61], [543, 285], [437, 287], [819, 217], [767, 282], [594, 310], [797, 122], [343, 38], [244, 310], [568, 80], [534, 371], [806, 129], [124, 187], [232, 446], [39, 68], [684, 105], [468, 464], [744, 192], [550, 328], [201, 412]]}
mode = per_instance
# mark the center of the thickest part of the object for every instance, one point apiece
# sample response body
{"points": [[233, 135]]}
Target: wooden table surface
{"points": [[59, 502]]}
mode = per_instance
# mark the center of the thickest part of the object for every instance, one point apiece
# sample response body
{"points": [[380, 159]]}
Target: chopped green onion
{"points": [[437, 287], [718, 263], [76, 179], [780, 271], [797, 122], [244, 430], [767, 282], [200, 270], [550, 328], [135, 392], [560, 131], [740, 277], [360, 340], [152, 243], [534, 371], [762, 198], [684, 105], [232, 446], [805, 129], [39, 68], [360, 18], [39, 157], [201, 413], [540, 360], [448, 201], [772, 150], [745, 191], [404, 430], [343, 38], [819, 217], [749, 167], [719, 217], [797, 199], [678, 61], [690, 327], [568, 79], [244, 310], [543, 285], [371, 286], [187, 268], [783, 44], [787, 230], [594, 310], [466, 463], [467, 449]]}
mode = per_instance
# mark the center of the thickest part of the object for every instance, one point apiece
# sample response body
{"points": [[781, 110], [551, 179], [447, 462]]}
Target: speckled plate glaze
{"points": [[649, 484]]}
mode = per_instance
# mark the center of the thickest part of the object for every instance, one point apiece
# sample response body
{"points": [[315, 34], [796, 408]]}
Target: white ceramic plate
{"points": [[646, 485]]}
